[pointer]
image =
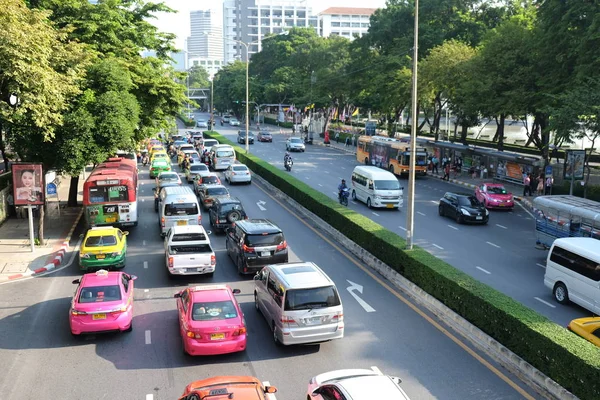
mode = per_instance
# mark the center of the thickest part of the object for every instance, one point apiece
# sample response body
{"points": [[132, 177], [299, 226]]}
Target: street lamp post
{"points": [[410, 212], [212, 107]]}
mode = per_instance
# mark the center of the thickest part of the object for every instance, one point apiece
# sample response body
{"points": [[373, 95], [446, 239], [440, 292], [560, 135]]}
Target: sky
{"points": [[179, 23]]}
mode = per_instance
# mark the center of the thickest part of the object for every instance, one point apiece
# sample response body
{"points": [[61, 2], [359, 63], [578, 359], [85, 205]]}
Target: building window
{"points": [[365, 25], [347, 34], [301, 23], [345, 16], [203, 62], [301, 14], [195, 63], [356, 24], [335, 24], [335, 34], [345, 24]]}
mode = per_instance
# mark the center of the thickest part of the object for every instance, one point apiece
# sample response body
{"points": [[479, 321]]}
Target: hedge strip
{"points": [[571, 361]]}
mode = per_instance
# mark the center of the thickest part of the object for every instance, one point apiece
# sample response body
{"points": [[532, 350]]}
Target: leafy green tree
{"points": [[198, 77], [229, 87]]}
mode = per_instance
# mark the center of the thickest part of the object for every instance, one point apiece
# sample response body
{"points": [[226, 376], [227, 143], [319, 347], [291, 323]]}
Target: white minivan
{"points": [[177, 206], [222, 156], [376, 187], [573, 272]]}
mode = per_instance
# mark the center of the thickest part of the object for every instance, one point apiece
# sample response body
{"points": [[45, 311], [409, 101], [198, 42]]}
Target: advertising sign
{"points": [[574, 164], [28, 185], [51, 188]]}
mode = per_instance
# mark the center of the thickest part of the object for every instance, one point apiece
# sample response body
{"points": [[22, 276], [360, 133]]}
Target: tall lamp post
{"points": [[212, 106], [410, 212]]}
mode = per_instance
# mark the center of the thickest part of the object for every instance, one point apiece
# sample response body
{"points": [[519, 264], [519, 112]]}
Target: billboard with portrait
{"points": [[574, 163], [28, 184]]}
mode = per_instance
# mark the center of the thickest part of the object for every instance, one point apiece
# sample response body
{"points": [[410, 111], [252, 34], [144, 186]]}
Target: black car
{"points": [[242, 137], [224, 212], [253, 243], [463, 207]]}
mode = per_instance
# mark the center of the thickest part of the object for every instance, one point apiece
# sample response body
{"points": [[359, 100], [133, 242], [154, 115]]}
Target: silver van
{"points": [[178, 206], [300, 303]]}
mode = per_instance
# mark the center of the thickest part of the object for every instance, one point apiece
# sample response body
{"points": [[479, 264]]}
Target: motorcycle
{"points": [[343, 196], [288, 164], [145, 161]]}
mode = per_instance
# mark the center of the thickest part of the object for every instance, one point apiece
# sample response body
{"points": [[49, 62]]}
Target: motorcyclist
{"points": [[341, 187], [287, 157]]}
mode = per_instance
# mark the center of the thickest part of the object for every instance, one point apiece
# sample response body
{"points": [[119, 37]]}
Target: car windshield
{"points": [[98, 294], [198, 167], [210, 142], [265, 134], [181, 209], [159, 164], [387, 185], [225, 208], [225, 153], [306, 299], [239, 168], [210, 179], [264, 239], [216, 191], [468, 201], [101, 241], [168, 177], [211, 311], [496, 190], [295, 140]]}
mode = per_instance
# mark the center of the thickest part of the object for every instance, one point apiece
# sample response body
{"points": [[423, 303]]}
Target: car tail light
{"points": [[193, 335], [199, 219], [207, 200], [170, 262], [119, 310], [247, 249], [77, 312], [239, 331], [339, 317], [213, 260], [282, 246], [162, 222], [287, 320]]}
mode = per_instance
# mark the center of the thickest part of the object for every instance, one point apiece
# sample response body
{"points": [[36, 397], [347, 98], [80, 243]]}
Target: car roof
{"points": [[239, 165], [258, 226], [243, 387], [295, 137], [459, 194], [301, 275], [215, 185], [372, 387], [211, 293], [101, 278], [168, 173], [227, 200], [188, 229], [264, 133], [102, 230]]}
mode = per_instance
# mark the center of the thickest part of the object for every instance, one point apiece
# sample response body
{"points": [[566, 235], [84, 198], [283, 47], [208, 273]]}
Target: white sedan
{"points": [[234, 122], [295, 144], [355, 384], [238, 173]]}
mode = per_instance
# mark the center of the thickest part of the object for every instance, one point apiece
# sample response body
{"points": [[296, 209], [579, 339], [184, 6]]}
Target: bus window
{"points": [[104, 194]]}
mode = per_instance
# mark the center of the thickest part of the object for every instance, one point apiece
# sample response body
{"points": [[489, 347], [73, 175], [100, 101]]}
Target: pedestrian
{"points": [[540, 185], [446, 172], [526, 185], [347, 141], [435, 161], [549, 183], [337, 137]]}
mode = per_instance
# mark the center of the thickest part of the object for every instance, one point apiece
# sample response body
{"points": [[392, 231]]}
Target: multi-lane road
{"points": [[501, 254], [40, 359]]}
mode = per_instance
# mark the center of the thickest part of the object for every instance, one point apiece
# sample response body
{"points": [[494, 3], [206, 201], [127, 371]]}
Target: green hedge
{"points": [[273, 121], [569, 360], [188, 122]]}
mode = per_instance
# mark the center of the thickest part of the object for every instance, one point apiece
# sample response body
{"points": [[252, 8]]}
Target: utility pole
{"points": [[410, 210]]}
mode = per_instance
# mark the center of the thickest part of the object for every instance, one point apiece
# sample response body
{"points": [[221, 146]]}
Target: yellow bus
{"points": [[391, 154]]}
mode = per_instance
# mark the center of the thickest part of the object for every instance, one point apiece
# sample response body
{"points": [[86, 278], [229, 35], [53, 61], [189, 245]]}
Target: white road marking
{"points": [[540, 265], [524, 209], [355, 286], [336, 193], [143, 199], [146, 290], [143, 242], [453, 227], [145, 264], [375, 214], [484, 270], [343, 167], [439, 247], [326, 172], [492, 244], [435, 202], [148, 337], [403, 228], [307, 178], [150, 396], [420, 213], [353, 202], [261, 204], [320, 185], [501, 226], [545, 302]]}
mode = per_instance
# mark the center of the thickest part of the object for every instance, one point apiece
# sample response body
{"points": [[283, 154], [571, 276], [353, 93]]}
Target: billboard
{"points": [[574, 164], [28, 184]]}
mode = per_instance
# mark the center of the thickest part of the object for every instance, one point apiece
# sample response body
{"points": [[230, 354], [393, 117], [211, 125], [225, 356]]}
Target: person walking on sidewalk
{"points": [[446, 171], [337, 137], [526, 185], [549, 183], [540, 185], [347, 141], [435, 162]]}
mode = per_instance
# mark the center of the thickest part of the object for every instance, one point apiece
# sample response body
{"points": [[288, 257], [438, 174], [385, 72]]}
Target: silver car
{"points": [[234, 122], [295, 144], [238, 173], [201, 123]]}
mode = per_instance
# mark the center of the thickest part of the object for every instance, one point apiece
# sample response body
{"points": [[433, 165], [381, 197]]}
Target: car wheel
{"points": [[459, 219], [75, 335], [561, 294], [368, 202], [234, 216], [366, 160], [391, 168], [130, 327], [441, 211], [275, 338], [354, 195], [256, 302]]}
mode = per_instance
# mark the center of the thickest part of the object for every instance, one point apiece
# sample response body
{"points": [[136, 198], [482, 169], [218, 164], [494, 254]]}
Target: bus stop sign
{"points": [[548, 171], [51, 188]]}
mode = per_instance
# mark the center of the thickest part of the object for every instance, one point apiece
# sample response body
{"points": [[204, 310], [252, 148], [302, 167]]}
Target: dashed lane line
{"points": [[453, 227], [540, 265], [501, 226], [148, 337], [435, 245], [545, 302], [492, 244], [143, 242], [403, 228], [146, 264], [375, 214], [420, 213], [484, 270]]}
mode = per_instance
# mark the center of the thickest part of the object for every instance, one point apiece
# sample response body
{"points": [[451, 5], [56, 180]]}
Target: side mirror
{"points": [[236, 291], [257, 276], [76, 282], [177, 295], [270, 389], [81, 236], [132, 277], [125, 233]]}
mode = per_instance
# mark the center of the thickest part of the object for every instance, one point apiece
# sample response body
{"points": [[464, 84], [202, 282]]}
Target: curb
{"points": [[57, 257], [334, 147]]}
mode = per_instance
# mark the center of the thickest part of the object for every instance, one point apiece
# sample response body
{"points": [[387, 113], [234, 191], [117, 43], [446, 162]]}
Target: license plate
{"points": [[502, 204], [100, 256], [183, 222], [98, 316], [113, 219], [265, 253], [478, 218], [217, 336], [313, 321], [390, 206]]}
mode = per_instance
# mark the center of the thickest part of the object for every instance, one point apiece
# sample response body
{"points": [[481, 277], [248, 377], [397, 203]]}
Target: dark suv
{"points": [[253, 243], [224, 212]]}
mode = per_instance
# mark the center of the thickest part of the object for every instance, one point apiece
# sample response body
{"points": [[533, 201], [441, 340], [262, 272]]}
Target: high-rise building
{"points": [[249, 21], [205, 43], [345, 21]]}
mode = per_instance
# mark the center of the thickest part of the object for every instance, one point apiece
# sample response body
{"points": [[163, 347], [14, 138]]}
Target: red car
{"points": [[229, 387], [494, 195], [264, 137], [210, 320]]}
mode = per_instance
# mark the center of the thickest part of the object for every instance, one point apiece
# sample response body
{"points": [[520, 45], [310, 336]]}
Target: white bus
{"points": [[565, 216]]}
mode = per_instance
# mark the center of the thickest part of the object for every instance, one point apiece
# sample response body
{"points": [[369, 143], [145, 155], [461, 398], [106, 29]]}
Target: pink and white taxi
{"points": [[494, 195], [210, 320], [103, 302]]}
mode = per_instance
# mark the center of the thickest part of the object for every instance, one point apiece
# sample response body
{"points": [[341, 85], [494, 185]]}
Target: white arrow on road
{"points": [[260, 205], [359, 289]]}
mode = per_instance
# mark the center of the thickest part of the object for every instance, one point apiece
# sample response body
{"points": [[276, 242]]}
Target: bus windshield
{"points": [[105, 194]]}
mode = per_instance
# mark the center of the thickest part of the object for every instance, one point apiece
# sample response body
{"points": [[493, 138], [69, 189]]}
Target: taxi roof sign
{"points": [[101, 272], [208, 287]]}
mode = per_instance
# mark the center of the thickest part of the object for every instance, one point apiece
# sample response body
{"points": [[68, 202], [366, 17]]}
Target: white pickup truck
{"points": [[188, 251]]}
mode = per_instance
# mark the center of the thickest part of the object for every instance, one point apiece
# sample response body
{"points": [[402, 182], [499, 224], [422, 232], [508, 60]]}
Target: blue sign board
{"points": [[548, 171], [51, 188]]}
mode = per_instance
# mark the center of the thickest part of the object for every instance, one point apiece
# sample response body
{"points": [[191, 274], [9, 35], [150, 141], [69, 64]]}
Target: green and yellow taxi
{"points": [[158, 155], [587, 328], [159, 165], [156, 148], [103, 247]]}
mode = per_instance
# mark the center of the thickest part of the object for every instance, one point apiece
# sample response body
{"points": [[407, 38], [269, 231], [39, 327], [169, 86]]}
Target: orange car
{"points": [[234, 387]]}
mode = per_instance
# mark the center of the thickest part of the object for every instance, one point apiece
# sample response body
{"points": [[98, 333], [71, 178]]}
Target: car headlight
{"points": [[486, 211], [464, 212], [84, 255], [116, 253]]}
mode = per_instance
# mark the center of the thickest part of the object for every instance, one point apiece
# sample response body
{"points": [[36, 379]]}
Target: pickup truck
{"points": [[188, 251]]}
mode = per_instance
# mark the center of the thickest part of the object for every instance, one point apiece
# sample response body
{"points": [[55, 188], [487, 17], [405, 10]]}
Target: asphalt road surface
{"points": [[501, 254], [40, 359]]}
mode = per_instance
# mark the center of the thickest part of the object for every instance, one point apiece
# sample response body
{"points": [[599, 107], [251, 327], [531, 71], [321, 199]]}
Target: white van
{"points": [[300, 303], [222, 156], [178, 206], [573, 272], [376, 187]]}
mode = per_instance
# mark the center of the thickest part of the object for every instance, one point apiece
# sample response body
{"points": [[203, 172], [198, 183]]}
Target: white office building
{"points": [[249, 21], [345, 21], [205, 43]]}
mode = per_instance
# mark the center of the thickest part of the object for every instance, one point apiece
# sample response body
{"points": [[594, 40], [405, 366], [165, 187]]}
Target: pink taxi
{"points": [[210, 320], [103, 302], [494, 195]]}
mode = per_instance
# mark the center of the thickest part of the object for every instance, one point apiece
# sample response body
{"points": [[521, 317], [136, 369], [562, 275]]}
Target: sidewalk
{"points": [[16, 259]]}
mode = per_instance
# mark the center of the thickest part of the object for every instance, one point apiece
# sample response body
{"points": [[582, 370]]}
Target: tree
{"points": [[198, 77], [230, 87]]}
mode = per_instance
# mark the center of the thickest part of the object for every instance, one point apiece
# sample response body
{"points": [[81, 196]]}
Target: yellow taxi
{"points": [[157, 148], [159, 154], [587, 328], [103, 247]]}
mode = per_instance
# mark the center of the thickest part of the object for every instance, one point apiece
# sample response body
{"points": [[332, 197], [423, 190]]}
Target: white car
{"points": [[234, 122], [238, 173], [202, 123], [295, 144], [355, 384], [196, 169], [188, 251]]}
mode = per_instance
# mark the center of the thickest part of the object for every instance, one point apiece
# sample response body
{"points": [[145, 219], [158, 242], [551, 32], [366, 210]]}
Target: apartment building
{"points": [[205, 43], [249, 21], [344, 21]]}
